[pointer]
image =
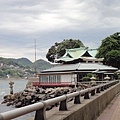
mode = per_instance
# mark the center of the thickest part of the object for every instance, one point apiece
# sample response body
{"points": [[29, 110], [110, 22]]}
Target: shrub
{"points": [[86, 78], [115, 75]]}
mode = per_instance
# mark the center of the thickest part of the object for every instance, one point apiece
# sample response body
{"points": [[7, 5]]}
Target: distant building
{"points": [[1, 64], [8, 76], [11, 66]]}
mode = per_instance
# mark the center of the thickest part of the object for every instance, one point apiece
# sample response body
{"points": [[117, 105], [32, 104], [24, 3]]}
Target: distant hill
{"points": [[21, 68], [8, 61], [23, 61], [42, 64]]}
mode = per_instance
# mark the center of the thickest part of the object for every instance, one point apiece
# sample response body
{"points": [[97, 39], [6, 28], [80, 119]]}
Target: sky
{"points": [[50, 21]]}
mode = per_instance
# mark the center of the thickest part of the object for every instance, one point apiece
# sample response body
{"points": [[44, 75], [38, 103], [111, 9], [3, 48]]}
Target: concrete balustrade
{"points": [[20, 111], [40, 107]]}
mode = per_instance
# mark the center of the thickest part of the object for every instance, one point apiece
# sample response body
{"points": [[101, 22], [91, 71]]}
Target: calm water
{"points": [[19, 85]]}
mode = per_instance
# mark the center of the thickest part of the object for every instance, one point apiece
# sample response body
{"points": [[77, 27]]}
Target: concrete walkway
{"points": [[112, 112]]}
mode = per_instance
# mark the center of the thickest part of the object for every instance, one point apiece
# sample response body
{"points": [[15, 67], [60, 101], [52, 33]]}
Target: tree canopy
{"points": [[58, 49], [110, 50]]}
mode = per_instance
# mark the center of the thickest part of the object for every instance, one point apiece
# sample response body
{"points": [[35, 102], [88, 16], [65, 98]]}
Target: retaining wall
{"points": [[91, 108]]}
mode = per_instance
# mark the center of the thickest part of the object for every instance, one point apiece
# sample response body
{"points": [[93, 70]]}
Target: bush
{"points": [[90, 75], [86, 79], [115, 75]]}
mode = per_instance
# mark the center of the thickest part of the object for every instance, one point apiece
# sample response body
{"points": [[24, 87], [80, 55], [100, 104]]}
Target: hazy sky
{"points": [[50, 21]]}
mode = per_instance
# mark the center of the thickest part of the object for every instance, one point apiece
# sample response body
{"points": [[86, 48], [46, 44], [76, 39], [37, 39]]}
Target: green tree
{"points": [[113, 58], [9, 72], [115, 75], [110, 50], [58, 49], [88, 77]]}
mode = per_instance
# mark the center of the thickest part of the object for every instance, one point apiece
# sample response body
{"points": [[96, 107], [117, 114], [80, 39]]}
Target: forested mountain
{"points": [[40, 64], [22, 61], [22, 67], [7, 61]]}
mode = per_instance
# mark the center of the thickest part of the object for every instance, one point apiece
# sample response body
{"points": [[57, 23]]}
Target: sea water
{"points": [[18, 86]]}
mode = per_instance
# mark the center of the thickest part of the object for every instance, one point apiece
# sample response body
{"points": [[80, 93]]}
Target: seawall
{"points": [[89, 109]]}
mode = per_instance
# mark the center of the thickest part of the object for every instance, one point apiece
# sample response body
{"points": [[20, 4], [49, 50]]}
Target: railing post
{"points": [[102, 88], [105, 87], [77, 100], [63, 105], [110, 84], [93, 92], [40, 114], [98, 90], [86, 95], [1, 117]]}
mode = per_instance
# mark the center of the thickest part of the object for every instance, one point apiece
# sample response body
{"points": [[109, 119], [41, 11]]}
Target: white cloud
{"points": [[44, 16], [51, 21]]}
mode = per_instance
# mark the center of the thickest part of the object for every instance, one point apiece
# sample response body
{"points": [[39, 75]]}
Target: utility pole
{"points": [[35, 57]]}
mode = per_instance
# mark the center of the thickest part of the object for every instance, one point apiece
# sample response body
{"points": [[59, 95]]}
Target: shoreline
{"points": [[13, 79], [28, 79]]}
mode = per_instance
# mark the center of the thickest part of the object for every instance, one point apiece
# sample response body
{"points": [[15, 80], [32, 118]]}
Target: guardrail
{"points": [[40, 107], [63, 84], [51, 84], [93, 81]]}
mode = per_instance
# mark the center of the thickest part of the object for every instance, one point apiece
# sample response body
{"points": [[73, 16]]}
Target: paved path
{"points": [[112, 112]]}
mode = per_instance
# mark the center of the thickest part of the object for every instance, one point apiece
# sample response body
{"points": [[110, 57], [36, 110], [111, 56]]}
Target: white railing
{"points": [[40, 107]]}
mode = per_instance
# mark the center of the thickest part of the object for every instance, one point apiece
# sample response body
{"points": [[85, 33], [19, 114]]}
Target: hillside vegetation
{"points": [[22, 67], [40, 64]]}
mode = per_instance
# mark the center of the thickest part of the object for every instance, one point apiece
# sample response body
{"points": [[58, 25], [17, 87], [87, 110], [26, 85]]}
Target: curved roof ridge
{"points": [[73, 49]]}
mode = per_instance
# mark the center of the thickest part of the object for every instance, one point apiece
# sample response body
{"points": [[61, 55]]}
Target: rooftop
{"points": [[80, 67], [79, 53]]}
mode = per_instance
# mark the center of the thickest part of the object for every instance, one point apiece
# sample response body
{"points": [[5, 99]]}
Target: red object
{"points": [[52, 84]]}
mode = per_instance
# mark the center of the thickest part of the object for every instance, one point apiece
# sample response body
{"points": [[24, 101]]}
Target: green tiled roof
{"points": [[66, 58], [92, 52], [76, 53]]}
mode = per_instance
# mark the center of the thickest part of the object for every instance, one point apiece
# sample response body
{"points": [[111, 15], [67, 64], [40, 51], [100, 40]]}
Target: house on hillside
{"points": [[74, 65]]}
